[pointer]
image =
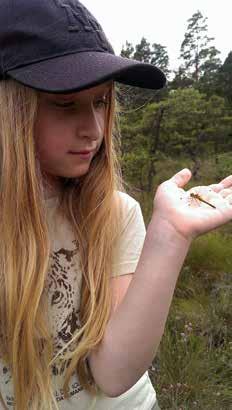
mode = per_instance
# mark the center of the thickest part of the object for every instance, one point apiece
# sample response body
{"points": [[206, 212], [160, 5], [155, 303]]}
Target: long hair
{"points": [[92, 205]]}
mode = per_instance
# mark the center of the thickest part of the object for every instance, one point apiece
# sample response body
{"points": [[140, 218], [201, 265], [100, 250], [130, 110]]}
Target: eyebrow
{"points": [[65, 97]]}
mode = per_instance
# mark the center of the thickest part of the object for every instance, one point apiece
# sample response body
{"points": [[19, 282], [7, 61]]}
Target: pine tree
{"points": [[128, 52], [200, 58], [160, 58], [224, 81], [134, 97]]}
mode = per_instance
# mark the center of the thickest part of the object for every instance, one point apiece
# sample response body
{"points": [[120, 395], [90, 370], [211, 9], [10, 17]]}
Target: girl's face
{"points": [[68, 123]]}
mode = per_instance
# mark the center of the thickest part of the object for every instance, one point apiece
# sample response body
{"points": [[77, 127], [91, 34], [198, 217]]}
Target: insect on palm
{"points": [[199, 198]]}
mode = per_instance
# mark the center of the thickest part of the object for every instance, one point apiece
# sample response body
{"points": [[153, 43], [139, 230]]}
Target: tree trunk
{"points": [[154, 146]]}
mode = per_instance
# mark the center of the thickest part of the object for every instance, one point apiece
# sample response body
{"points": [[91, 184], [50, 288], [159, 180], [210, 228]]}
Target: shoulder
{"points": [[127, 201], [129, 209]]}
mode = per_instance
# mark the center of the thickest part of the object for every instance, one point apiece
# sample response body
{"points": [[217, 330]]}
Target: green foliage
{"points": [[200, 67], [186, 123], [135, 167], [156, 54], [200, 57], [224, 79], [193, 368], [224, 164], [211, 252], [160, 58], [189, 124]]}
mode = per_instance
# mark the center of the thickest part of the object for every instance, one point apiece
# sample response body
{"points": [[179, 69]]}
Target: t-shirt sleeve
{"points": [[130, 242]]}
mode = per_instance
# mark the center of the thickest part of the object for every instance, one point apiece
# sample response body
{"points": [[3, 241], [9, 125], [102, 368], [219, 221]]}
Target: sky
{"points": [[163, 22]]}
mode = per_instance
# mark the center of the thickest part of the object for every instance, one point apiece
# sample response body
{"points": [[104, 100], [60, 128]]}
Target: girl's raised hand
{"points": [[185, 211]]}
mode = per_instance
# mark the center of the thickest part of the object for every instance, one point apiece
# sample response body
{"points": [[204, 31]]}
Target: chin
{"points": [[79, 173]]}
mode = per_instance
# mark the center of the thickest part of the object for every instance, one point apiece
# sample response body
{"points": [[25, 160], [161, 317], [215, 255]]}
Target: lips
{"points": [[80, 152]]}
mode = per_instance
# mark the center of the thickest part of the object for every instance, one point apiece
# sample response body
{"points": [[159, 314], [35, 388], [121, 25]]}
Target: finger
{"points": [[225, 192], [217, 187], [181, 178], [227, 182]]}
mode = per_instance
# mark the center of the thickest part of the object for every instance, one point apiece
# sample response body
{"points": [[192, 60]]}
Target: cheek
{"points": [[49, 138], [46, 150], [103, 124]]}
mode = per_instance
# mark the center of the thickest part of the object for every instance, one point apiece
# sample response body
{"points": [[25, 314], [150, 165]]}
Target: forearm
{"points": [[135, 329]]}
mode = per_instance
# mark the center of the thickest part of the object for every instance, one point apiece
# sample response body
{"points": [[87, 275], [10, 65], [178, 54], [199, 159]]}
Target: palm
{"points": [[189, 216]]}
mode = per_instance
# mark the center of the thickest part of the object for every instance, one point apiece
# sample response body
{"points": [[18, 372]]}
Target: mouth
{"points": [[81, 152], [83, 155]]}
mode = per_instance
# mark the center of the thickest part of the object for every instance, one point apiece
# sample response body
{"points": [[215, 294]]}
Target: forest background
{"points": [[187, 124]]}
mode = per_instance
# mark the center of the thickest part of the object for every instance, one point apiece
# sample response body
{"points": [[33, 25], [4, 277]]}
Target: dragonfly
{"points": [[197, 196]]}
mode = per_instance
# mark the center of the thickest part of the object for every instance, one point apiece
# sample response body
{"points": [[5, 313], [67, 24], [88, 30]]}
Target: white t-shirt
{"points": [[63, 291]]}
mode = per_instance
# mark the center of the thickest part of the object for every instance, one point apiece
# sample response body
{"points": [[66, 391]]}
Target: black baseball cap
{"points": [[58, 46]]}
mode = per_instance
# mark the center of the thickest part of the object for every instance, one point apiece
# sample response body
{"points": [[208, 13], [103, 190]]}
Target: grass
{"points": [[193, 367]]}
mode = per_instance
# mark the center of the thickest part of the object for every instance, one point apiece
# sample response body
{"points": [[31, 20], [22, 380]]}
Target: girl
{"points": [[85, 290]]}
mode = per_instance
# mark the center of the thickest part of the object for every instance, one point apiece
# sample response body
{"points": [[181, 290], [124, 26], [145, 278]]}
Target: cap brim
{"points": [[74, 72]]}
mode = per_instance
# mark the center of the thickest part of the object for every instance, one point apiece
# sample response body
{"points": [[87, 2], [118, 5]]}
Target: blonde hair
{"points": [[91, 204]]}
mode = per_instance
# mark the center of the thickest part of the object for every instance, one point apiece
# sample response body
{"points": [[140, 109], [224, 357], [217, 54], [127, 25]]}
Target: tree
{"points": [[200, 58], [187, 124], [157, 55], [224, 79], [160, 58], [180, 79], [128, 52], [134, 97], [143, 52]]}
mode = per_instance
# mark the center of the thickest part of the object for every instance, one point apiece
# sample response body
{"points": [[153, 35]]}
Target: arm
{"points": [[119, 286], [135, 329]]}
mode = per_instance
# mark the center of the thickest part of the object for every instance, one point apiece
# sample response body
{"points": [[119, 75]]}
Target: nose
{"points": [[90, 123]]}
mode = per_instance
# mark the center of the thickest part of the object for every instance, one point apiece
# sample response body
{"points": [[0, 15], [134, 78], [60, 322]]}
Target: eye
{"points": [[102, 102]]}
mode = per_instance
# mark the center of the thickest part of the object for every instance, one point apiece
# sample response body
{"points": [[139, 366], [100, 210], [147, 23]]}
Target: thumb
{"points": [[181, 178]]}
